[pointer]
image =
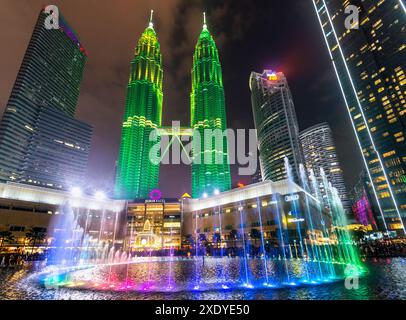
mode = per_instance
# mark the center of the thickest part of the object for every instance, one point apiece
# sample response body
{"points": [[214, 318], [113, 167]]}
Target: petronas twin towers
{"points": [[136, 174]]}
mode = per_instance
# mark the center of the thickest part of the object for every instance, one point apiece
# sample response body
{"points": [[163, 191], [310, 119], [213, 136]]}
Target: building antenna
{"points": [[151, 24], [204, 21]]}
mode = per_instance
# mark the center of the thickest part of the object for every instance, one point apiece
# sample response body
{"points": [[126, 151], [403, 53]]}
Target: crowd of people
{"points": [[383, 248], [18, 258]]}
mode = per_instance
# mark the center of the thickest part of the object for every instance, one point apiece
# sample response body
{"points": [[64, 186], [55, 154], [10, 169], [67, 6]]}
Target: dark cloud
{"points": [[250, 35]]}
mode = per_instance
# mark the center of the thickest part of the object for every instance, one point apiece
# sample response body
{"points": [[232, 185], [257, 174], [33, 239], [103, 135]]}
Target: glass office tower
{"points": [[276, 124], [210, 167], [320, 152], [35, 145], [370, 63], [57, 155]]}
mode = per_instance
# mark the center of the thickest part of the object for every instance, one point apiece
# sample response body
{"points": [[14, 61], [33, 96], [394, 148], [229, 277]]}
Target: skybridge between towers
{"points": [[182, 134], [175, 132]]}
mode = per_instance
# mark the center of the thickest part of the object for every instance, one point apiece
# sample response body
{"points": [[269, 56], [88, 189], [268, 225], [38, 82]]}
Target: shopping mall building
{"points": [[165, 223]]}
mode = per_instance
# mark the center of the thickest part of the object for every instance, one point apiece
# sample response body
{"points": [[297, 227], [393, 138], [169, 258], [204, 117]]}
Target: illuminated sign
{"points": [[295, 220], [186, 195], [272, 76], [293, 197], [154, 201], [172, 225], [155, 194]]}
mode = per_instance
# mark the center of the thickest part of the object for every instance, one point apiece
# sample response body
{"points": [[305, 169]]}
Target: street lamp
{"points": [[100, 195], [76, 192]]}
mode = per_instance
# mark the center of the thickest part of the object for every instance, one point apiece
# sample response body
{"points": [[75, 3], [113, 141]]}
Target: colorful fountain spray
{"points": [[303, 242], [347, 251]]}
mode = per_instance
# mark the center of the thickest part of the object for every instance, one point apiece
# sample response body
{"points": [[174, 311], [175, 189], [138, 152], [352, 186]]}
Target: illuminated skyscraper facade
{"points": [[41, 143], [364, 206], [276, 125], [210, 167], [320, 152], [370, 63], [136, 174]]}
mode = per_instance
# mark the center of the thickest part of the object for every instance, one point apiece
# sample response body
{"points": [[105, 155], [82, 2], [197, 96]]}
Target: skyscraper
{"points": [[319, 152], [257, 176], [136, 174], [370, 63], [210, 168], [57, 155], [276, 124], [40, 141], [363, 203]]}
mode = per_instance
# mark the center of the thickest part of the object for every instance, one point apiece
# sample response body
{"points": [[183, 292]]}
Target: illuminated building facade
{"points": [[370, 64], [276, 124], [153, 224], [23, 207], [257, 177], [363, 203], [272, 206], [210, 169], [41, 142], [58, 153], [141, 226], [136, 175], [319, 152]]}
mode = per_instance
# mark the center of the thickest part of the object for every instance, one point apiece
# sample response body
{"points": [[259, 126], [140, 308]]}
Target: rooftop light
{"points": [[76, 192], [100, 195]]}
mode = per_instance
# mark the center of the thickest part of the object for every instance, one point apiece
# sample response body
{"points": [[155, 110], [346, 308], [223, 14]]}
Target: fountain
{"points": [[295, 239]]}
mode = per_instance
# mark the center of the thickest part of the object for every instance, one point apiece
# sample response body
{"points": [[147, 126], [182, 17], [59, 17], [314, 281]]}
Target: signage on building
{"points": [[155, 201], [291, 198], [155, 195]]}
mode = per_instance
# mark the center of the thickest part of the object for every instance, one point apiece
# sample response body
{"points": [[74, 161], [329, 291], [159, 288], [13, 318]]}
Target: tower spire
{"points": [[204, 21], [151, 24]]}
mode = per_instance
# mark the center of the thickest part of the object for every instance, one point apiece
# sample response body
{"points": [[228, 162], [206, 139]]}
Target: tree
{"points": [[217, 238], [6, 236], [35, 235], [359, 233], [255, 234], [203, 242], [202, 239], [189, 241], [233, 236]]}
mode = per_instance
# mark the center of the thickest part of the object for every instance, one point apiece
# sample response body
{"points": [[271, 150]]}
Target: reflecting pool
{"points": [[386, 279]]}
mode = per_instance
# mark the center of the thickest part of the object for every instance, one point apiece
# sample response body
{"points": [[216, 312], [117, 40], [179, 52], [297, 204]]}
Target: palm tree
{"points": [[255, 234], [34, 235], [189, 241], [359, 233], [202, 239], [6, 236], [233, 236], [203, 242], [217, 239]]}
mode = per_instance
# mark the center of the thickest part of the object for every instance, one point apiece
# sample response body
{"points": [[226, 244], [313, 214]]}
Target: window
{"points": [[17, 229]]}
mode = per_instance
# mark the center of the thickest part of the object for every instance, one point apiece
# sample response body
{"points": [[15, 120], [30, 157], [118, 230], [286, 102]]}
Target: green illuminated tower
{"points": [[209, 175], [136, 175]]}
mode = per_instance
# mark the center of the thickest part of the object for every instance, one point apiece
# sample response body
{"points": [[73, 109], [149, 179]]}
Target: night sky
{"points": [[250, 35]]}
